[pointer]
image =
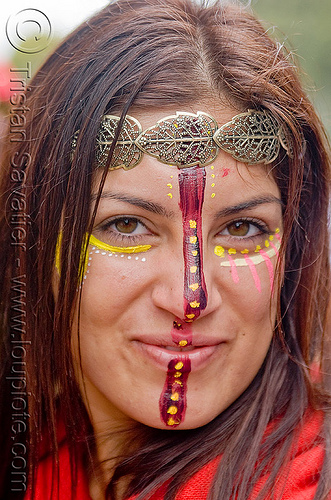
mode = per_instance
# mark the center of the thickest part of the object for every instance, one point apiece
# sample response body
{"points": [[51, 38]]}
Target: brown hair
{"points": [[149, 53]]}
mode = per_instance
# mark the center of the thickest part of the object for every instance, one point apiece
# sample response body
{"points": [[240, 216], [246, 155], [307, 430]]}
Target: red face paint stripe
{"points": [[181, 333], [173, 397], [192, 183]]}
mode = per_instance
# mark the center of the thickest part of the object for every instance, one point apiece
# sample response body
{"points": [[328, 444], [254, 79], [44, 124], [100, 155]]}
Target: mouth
{"points": [[178, 349], [160, 355]]}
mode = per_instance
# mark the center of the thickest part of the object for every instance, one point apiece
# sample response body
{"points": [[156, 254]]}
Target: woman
{"points": [[163, 309]]}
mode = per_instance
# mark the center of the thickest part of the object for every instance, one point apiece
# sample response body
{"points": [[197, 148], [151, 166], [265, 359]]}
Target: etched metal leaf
{"points": [[184, 140], [74, 144], [126, 153], [285, 138], [251, 137]]}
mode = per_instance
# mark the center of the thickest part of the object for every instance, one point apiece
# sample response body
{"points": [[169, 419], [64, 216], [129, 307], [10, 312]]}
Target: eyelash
{"points": [[261, 226], [119, 237]]}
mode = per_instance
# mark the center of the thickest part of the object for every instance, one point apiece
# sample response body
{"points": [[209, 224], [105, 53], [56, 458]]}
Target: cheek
{"points": [[256, 269], [254, 288], [248, 296], [111, 282]]}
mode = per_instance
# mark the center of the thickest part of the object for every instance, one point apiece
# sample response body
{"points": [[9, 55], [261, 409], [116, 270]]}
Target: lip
{"points": [[198, 353]]}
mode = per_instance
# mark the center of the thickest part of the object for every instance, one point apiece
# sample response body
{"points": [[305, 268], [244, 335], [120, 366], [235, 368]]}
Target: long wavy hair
{"points": [[151, 53]]}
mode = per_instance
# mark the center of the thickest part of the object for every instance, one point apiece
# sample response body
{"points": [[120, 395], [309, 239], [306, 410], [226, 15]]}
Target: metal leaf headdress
{"points": [[183, 140], [188, 139], [126, 153], [252, 137]]}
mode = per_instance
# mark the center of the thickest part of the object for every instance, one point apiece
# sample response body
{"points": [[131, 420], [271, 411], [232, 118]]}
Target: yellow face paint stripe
{"points": [[100, 245], [256, 259], [58, 254], [108, 248]]}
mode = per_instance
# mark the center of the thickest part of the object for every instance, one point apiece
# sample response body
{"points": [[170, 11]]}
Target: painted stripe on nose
{"points": [[192, 183]]}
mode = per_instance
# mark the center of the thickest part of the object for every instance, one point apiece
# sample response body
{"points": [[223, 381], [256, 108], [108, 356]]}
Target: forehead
{"points": [[227, 182]]}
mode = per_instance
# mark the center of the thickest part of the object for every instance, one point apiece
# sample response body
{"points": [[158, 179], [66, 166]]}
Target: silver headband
{"points": [[188, 139]]}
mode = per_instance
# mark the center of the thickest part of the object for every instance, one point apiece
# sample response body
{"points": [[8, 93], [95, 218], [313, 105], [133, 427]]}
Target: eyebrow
{"points": [[148, 205], [248, 205]]}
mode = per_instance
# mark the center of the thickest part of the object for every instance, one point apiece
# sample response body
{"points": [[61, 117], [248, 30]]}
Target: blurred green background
{"points": [[305, 27]]}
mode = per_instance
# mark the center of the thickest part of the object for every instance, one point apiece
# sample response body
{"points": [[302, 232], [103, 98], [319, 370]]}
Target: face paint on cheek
{"points": [[270, 268], [254, 273], [111, 249], [101, 248], [173, 397], [261, 255], [83, 255], [275, 246], [234, 272], [191, 188]]}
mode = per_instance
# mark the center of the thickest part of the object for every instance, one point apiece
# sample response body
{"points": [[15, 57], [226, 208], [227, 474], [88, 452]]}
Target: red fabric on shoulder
{"points": [[199, 485], [197, 488], [300, 479], [62, 489], [299, 482]]}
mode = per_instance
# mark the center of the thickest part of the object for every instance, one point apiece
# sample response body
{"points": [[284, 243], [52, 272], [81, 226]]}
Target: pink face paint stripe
{"points": [[278, 237], [254, 273], [234, 272], [270, 268], [275, 248]]}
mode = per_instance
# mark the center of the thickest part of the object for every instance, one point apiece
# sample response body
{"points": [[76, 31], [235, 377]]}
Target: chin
{"points": [[187, 423]]}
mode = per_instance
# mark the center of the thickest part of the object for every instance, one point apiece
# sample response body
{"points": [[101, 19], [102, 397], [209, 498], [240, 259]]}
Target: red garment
{"points": [[299, 484]]}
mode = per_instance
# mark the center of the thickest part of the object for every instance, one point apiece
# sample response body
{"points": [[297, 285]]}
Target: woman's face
{"points": [[178, 309]]}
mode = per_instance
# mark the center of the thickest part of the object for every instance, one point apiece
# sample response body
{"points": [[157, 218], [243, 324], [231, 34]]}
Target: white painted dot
{"points": [[122, 255], [103, 253], [137, 258], [116, 255], [143, 259], [93, 248], [90, 258], [129, 257], [97, 251]]}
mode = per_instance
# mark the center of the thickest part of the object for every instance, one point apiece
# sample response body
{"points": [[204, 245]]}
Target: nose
{"points": [[195, 300], [183, 290]]}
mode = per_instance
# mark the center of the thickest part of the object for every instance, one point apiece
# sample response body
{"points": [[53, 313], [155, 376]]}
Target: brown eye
{"points": [[239, 228], [126, 225]]}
